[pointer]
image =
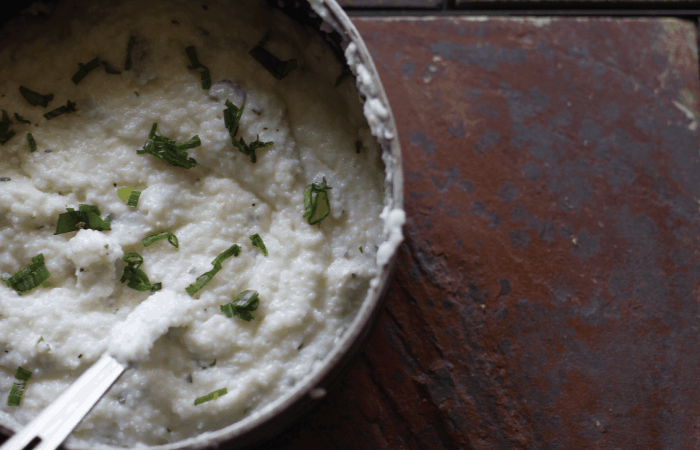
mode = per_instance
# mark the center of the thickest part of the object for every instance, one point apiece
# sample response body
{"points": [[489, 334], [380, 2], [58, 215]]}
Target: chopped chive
{"points": [[358, 146], [87, 217], [30, 277], [202, 280], [109, 68], [69, 107], [133, 199], [212, 396], [361, 251], [30, 142], [85, 69], [232, 117], [279, 69], [169, 150], [137, 278], [21, 119], [22, 376], [243, 306], [196, 65], [258, 242], [311, 201], [159, 236], [5, 132], [124, 193], [34, 98], [129, 47]]}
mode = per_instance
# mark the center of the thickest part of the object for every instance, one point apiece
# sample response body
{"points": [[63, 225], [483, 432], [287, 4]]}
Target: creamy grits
{"points": [[181, 347]]}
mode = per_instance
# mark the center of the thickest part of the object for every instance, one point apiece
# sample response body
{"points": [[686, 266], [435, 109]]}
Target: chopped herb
{"points": [[129, 47], [196, 65], [109, 68], [279, 69], [243, 306], [85, 69], [87, 217], [133, 199], [175, 22], [343, 75], [34, 98], [204, 32], [70, 107], [22, 376], [170, 151], [202, 280], [125, 193], [5, 132], [361, 250], [311, 201], [232, 117], [137, 278], [159, 236], [258, 242], [30, 277], [358, 146], [30, 142], [212, 396], [21, 119]]}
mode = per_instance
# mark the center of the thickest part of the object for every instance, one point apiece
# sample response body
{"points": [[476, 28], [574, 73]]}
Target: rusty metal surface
{"points": [[399, 4], [547, 294]]}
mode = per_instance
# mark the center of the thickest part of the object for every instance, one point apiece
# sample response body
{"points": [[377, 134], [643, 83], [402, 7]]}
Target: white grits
{"points": [[311, 283]]}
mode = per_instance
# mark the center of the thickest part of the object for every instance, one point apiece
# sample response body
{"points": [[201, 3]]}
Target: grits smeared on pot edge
{"points": [[310, 284]]}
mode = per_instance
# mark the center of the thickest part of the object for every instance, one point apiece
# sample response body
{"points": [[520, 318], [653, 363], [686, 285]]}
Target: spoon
{"points": [[53, 425]]}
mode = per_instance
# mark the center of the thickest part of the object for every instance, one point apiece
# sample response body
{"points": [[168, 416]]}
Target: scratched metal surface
{"points": [[547, 294], [399, 4]]}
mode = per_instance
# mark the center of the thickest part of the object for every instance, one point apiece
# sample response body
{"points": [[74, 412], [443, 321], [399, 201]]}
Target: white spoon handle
{"points": [[53, 425]]}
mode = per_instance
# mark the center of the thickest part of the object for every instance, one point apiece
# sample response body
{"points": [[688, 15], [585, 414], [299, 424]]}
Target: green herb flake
{"points": [[361, 251], [196, 65], [242, 307], [31, 143], [21, 119], [170, 151], [87, 217], [5, 132], [279, 69], [85, 69], [202, 280], [258, 242], [232, 118], [212, 396], [22, 376], [133, 199], [69, 107], [159, 236], [30, 277], [358, 146], [135, 277], [312, 195], [34, 98], [129, 47], [110, 69], [124, 193], [175, 22]]}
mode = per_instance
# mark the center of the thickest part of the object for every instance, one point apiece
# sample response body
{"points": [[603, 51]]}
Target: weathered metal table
{"points": [[547, 294]]}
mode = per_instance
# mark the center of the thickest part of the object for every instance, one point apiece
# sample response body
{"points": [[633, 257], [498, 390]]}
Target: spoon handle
{"points": [[53, 425]]}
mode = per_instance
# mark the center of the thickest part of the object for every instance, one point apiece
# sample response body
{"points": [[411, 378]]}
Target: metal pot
{"points": [[326, 18]]}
